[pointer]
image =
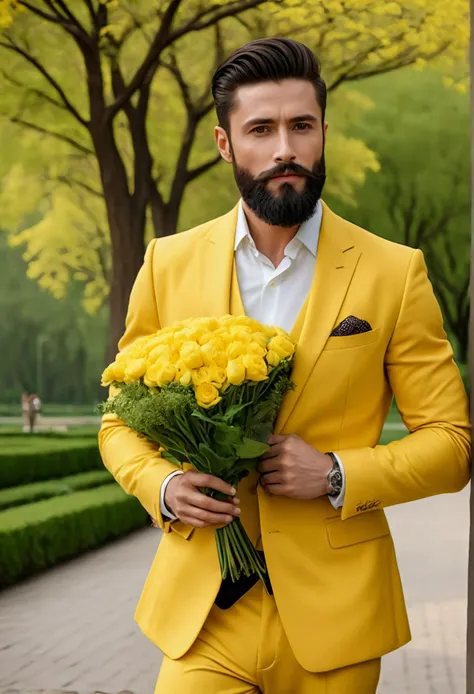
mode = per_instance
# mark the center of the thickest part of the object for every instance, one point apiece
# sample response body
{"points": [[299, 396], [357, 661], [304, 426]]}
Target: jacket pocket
{"points": [[183, 529], [368, 526], [348, 341]]}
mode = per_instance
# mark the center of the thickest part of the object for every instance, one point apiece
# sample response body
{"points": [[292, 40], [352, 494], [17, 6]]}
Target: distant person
{"points": [[369, 329], [34, 408], [25, 409]]}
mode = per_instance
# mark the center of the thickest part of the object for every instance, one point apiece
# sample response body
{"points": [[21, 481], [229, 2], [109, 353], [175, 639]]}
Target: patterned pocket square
{"points": [[351, 326]]}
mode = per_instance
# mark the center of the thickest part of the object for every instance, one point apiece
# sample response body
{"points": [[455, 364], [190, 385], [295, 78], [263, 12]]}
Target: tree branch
{"points": [[71, 181], [12, 46], [50, 133], [199, 170], [32, 90]]}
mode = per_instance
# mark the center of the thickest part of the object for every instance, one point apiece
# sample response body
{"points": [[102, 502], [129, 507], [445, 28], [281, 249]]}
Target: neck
{"points": [[270, 240]]}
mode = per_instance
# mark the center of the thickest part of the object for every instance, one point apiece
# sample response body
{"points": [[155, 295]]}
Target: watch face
{"points": [[335, 479]]}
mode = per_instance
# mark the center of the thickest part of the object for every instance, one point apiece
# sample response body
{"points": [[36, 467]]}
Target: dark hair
{"points": [[265, 60]]}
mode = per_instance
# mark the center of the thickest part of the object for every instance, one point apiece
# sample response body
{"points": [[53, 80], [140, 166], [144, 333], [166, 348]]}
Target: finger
{"points": [[201, 518], [275, 489], [276, 438], [202, 479], [272, 452], [271, 478], [270, 465], [200, 500]]}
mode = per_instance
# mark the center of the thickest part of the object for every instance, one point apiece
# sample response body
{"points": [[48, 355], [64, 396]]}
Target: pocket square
{"points": [[351, 326]]}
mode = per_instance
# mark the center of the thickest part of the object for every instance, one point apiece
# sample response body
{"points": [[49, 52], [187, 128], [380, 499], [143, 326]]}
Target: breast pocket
{"points": [[352, 341]]}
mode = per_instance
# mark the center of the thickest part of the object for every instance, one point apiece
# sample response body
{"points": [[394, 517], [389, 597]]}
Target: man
{"points": [[368, 328]]}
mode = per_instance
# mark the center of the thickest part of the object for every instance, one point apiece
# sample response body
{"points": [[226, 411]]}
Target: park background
{"points": [[106, 136]]}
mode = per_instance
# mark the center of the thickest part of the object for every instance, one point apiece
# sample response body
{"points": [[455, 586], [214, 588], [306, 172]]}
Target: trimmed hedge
{"points": [[41, 535], [47, 459], [28, 493]]}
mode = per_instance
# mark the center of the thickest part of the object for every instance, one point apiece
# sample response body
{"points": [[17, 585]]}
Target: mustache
{"points": [[288, 168]]}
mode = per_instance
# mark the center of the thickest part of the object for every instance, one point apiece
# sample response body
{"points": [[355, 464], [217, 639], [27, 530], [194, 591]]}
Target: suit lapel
{"points": [[337, 259]]}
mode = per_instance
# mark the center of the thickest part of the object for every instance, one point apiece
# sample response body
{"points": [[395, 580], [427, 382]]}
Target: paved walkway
{"points": [[72, 627]]}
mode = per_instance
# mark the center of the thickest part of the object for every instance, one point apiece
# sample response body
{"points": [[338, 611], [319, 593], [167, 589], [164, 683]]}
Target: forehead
{"points": [[277, 100]]}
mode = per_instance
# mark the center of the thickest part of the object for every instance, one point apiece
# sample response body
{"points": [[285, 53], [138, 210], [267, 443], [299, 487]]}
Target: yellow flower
{"points": [[282, 345], [135, 369], [208, 352], [273, 358], [236, 372], [160, 375], [260, 338], [159, 353], [119, 370], [256, 367], [108, 375], [207, 395], [256, 349], [200, 376], [217, 375], [236, 350], [183, 374], [190, 353]]}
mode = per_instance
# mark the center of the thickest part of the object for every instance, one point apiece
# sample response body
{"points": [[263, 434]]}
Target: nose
{"points": [[284, 152]]}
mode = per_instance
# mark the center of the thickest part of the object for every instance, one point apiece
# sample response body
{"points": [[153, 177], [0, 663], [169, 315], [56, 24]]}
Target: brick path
{"points": [[72, 627]]}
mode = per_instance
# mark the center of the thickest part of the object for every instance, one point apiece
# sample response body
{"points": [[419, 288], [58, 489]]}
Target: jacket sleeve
{"points": [[136, 463], [435, 457]]}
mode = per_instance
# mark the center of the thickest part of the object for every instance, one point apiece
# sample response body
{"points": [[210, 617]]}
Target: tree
{"points": [[125, 60], [421, 197]]}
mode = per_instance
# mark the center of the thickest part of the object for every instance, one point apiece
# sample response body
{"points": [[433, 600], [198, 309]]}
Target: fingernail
{"points": [[237, 511], [229, 519], [236, 501], [233, 491]]}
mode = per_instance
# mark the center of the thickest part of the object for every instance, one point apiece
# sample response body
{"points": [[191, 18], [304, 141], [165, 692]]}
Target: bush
{"points": [[22, 462], [41, 535], [28, 493]]}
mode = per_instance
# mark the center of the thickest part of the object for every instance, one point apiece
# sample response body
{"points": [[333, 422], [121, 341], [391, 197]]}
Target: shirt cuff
{"points": [[338, 501], [163, 508]]}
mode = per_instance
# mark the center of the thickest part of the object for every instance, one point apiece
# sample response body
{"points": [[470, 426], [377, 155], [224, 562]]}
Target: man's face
{"points": [[276, 147]]}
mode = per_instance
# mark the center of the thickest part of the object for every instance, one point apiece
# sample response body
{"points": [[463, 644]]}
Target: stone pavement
{"points": [[72, 628]]}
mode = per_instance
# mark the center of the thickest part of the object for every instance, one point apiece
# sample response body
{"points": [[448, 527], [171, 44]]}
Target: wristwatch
{"points": [[334, 476]]}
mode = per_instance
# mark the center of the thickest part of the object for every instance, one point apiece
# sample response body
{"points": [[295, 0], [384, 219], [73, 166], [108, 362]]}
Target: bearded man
{"points": [[368, 329]]}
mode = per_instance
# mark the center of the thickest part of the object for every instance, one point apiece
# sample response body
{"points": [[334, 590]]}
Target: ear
{"points": [[223, 144], [325, 129]]}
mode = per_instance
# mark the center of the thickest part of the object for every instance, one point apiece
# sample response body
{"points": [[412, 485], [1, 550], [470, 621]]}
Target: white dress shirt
{"points": [[274, 296]]}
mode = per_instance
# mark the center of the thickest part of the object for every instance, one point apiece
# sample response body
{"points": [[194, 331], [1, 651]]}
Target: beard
{"points": [[288, 208]]}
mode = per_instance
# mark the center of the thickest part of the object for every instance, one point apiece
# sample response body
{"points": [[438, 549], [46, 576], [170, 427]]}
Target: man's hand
{"points": [[293, 468], [191, 506]]}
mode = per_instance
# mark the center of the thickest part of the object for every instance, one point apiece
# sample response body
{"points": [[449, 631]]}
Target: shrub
{"points": [[44, 459], [28, 493], [40, 535]]}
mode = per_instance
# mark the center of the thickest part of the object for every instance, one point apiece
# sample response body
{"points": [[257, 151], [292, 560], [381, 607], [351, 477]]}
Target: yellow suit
{"points": [[334, 575]]}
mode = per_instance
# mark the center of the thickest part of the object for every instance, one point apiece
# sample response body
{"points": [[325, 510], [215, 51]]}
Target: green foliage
{"points": [[28, 493], [41, 535], [419, 129], [22, 462]]}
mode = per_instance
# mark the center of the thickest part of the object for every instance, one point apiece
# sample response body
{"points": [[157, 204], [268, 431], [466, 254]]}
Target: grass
{"points": [[79, 431], [51, 410]]}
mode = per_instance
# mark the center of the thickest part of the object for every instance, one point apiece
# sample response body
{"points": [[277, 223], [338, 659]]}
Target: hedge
{"points": [[46, 460], [28, 493], [41, 535]]}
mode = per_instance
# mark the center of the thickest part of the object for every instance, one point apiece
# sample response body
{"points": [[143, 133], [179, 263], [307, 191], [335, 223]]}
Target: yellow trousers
{"points": [[244, 650]]}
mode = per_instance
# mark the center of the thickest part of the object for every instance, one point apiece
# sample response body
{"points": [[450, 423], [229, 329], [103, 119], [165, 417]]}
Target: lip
{"points": [[287, 177]]}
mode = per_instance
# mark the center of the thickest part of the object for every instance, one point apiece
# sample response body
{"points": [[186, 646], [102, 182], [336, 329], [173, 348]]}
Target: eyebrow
{"points": [[270, 121]]}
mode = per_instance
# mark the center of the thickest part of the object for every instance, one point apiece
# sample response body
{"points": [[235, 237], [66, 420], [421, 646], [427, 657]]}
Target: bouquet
{"points": [[207, 392]]}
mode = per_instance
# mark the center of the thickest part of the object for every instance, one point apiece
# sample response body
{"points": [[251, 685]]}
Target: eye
{"points": [[260, 129], [303, 126]]}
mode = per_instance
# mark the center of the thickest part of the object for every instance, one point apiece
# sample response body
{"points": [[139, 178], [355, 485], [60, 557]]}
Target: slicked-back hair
{"points": [[265, 60]]}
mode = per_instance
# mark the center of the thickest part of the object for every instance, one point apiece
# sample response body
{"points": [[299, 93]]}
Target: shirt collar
{"points": [[307, 235]]}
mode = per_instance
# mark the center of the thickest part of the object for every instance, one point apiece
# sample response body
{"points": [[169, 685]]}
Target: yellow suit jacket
{"points": [[334, 575]]}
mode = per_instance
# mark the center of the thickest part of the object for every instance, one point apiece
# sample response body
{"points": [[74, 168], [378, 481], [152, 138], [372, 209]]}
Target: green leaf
{"points": [[250, 448], [169, 456], [217, 465], [234, 410]]}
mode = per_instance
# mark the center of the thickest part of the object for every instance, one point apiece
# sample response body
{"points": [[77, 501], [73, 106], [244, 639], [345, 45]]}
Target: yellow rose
{"points": [[260, 338], [236, 372], [159, 353], [256, 367], [217, 375], [190, 353], [119, 370], [200, 376], [135, 369], [160, 375], [282, 346], [108, 375], [256, 349], [221, 359], [273, 358], [236, 350], [208, 352], [269, 331], [207, 395], [183, 374]]}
